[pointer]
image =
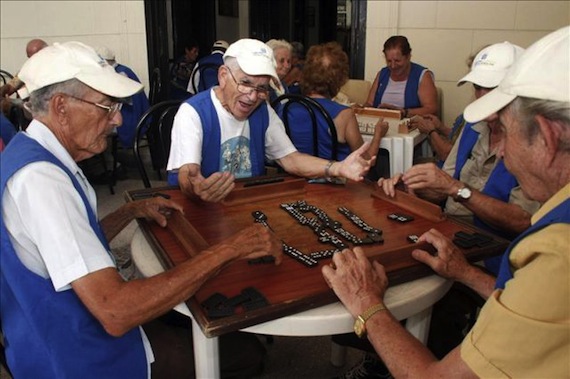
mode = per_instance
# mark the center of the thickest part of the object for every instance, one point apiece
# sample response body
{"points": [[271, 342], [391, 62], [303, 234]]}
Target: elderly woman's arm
{"points": [[428, 97]]}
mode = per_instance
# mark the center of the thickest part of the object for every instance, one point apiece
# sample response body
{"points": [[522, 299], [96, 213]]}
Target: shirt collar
{"points": [[44, 136]]}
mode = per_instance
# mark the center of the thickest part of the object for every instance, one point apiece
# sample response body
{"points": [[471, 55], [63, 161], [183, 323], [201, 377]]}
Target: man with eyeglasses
{"points": [[66, 312], [230, 131]]}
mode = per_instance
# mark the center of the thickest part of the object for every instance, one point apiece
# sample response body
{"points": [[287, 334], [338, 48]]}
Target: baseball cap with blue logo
{"points": [[491, 64], [253, 56]]}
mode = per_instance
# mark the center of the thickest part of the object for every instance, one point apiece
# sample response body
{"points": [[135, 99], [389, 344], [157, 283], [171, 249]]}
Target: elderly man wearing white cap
{"points": [[205, 73], [131, 111], [473, 183], [522, 330], [65, 310], [230, 131]]}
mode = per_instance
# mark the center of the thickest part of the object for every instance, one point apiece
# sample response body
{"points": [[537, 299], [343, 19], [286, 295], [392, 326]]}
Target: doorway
{"points": [[169, 23]]}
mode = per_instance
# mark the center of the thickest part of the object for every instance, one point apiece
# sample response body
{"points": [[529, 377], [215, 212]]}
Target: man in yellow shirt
{"points": [[524, 327]]}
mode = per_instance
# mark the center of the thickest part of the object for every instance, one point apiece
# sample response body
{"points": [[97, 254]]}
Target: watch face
{"points": [[464, 193]]}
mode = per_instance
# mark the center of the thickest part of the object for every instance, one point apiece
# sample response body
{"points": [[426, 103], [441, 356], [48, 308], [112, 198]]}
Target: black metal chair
{"points": [[3, 361], [155, 126], [282, 105], [204, 69], [5, 77], [155, 87]]}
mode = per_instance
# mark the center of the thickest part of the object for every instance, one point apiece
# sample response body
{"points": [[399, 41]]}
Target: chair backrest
{"points": [[208, 76], [5, 77], [155, 86], [282, 106], [356, 90], [151, 125]]}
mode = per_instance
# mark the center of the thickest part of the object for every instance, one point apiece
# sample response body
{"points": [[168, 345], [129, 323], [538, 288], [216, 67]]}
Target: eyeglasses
{"points": [[247, 89], [111, 109]]}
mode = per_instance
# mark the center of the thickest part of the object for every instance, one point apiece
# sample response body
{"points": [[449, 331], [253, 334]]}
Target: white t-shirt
{"points": [[187, 137], [395, 92]]}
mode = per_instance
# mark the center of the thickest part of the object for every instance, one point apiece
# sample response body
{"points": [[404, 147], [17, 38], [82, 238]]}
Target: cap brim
{"points": [[486, 105], [111, 83], [487, 79]]}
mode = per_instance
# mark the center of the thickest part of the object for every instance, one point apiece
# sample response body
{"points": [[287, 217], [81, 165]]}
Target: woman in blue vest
{"points": [[403, 84], [324, 73], [282, 54]]}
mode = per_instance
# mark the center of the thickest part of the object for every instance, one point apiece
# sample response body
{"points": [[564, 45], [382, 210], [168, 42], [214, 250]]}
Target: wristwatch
{"points": [[463, 194], [360, 322]]}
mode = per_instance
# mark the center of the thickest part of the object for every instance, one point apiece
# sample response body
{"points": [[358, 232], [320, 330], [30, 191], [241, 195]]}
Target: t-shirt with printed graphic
{"points": [[187, 139]]}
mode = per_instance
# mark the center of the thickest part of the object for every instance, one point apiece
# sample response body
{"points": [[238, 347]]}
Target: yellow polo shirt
{"points": [[524, 330]]}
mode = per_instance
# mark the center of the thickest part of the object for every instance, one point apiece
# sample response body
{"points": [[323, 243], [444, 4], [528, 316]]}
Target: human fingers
{"points": [[389, 185], [217, 186]]}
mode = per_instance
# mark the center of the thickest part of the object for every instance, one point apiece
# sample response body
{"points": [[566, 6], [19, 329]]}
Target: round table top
{"points": [[403, 300]]}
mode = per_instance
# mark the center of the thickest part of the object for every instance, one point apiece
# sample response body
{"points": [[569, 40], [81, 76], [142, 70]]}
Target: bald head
{"points": [[34, 46]]}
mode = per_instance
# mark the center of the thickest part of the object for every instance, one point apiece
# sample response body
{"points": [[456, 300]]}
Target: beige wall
{"points": [[120, 25], [444, 33]]}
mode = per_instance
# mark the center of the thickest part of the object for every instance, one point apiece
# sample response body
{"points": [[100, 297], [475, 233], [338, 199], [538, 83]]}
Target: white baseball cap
{"points": [[253, 56], [542, 72], [74, 60], [105, 53], [220, 45], [491, 64]]}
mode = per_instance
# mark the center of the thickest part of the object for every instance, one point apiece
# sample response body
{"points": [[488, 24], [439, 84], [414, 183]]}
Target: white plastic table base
{"points": [[412, 301]]}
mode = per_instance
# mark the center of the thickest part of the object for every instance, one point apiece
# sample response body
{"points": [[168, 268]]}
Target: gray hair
{"points": [[276, 44], [525, 109], [39, 99], [232, 63]]}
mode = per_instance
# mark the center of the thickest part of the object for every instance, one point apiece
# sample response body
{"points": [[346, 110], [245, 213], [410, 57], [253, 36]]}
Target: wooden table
{"points": [[292, 287]]}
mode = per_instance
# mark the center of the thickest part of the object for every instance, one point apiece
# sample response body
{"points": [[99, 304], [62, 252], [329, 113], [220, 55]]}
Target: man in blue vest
{"points": [[523, 328], [65, 310], [135, 108], [473, 183], [230, 131], [205, 73]]}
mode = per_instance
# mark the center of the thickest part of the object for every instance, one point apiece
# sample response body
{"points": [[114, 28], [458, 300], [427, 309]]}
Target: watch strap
{"points": [[364, 316]]}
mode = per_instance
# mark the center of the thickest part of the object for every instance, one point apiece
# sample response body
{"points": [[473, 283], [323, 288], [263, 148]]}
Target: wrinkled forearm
{"points": [[508, 217]]}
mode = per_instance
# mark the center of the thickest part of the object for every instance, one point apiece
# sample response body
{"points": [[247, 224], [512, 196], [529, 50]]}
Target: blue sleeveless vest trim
{"points": [[211, 136], [51, 334], [301, 129], [411, 97], [209, 77], [558, 215], [131, 113], [498, 185]]}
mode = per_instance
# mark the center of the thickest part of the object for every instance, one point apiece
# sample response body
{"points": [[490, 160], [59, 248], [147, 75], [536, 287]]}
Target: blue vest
{"points": [[208, 75], [211, 137], [131, 113], [498, 185], [301, 129], [7, 129], [411, 97], [51, 334], [558, 215]]}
